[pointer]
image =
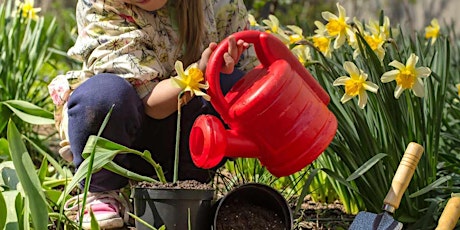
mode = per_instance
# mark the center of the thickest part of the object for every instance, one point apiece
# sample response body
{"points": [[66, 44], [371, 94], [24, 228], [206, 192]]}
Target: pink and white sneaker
{"points": [[109, 208]]}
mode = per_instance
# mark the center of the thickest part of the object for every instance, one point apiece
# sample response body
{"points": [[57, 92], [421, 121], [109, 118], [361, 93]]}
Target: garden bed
{"points": [[314, 216]]}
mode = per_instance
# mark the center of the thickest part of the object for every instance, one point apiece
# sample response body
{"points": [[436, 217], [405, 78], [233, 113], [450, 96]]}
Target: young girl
{"points": [[128, 49]]}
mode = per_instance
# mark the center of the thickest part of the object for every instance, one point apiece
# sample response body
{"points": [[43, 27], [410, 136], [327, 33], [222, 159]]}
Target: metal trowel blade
{"points": [[372, 221]]}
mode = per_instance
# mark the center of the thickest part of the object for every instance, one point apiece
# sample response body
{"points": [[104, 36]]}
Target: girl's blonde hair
{"points": [[191, 29]]}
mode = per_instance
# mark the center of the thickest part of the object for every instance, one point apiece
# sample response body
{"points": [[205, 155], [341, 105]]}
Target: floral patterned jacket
{"points": [[115, 37]]}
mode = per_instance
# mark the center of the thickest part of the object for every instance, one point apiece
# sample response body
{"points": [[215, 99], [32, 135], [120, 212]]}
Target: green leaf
{"points": [[305, 189], [431, 186], [8, 174], [10, 198], [126, 173], [43, 170], [94, 224], [2, 210], [29, 112], [50, 158], [29, 108], [22, 213], [25, 170], [100, 159], [4, 150], [53, 195], [104, 146], [5, 114], [145, 223], [366, 166]]}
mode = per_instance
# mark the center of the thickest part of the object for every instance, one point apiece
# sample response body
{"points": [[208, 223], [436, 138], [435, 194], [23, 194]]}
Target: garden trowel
{"points": [[450, 215], [401, 179]]}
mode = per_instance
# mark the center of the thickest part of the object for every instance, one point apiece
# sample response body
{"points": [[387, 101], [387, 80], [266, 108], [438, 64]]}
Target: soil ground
{"points": [[320, 216]]}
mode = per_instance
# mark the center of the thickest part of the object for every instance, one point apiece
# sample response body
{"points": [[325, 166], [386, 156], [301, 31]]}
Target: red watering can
{"points": [[277, 112]]}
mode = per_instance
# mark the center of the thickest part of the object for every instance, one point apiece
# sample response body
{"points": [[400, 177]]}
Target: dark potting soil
{"points": [[186, 184], [237, 215]]}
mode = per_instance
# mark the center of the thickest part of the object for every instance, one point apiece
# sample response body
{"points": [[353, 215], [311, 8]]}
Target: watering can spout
{"points": [[212, 142]]}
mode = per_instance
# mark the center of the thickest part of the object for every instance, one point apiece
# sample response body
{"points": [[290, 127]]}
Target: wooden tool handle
{"points": [[450, 215], [403, 175]]}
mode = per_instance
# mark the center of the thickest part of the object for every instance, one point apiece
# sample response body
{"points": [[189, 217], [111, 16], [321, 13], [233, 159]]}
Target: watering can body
{"points": [[277, 112]]}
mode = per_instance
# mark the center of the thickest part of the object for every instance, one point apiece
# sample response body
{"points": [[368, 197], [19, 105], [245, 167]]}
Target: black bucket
{"points": [[271, 210]]}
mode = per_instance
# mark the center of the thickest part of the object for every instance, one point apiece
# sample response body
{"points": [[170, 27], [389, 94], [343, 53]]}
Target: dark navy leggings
{"points": [[130, 126]]}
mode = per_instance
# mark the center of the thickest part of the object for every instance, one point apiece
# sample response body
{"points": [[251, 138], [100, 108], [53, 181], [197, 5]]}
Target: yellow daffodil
{"points": [[458, 88], [252, 20], [189, 80], [355, 85], [297, 34], [374, 38], [407, 76], [321, 40], [302, 52], [432, 31], [273, 23], [381, 30], [376, 41], [323, 44], [337, 25], [274, 28], [27, 9]]}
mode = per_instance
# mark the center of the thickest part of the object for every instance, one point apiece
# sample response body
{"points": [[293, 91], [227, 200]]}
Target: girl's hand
{"points": [[205, 56], [232, 56]]}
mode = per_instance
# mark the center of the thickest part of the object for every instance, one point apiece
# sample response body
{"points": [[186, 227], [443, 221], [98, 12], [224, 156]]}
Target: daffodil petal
{"points": [[179, 67], [351, 68], [370, 86], [398, 91], [320, 27], [194, 65], [380, 53], [339, 41], [397, 64], [267, 22], [274, 19], [419, 89], [328, 16], [295, 29], [413, 59], [203, 86], [342, 12], [389, 76], [202, 94], [340, 81], [178, 82], [345, 98], [362, 99], [422, 71]]}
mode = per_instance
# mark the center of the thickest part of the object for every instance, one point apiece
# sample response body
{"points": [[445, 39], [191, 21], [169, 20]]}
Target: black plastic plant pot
{"points": [[252, 206], [173, 208]]}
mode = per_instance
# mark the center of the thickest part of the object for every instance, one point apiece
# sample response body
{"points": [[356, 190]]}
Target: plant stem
{"points": [[176, 150]]}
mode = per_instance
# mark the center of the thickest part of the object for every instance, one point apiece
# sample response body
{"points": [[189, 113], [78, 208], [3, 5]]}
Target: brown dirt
{"points": [[245, 216], [186, 184]]}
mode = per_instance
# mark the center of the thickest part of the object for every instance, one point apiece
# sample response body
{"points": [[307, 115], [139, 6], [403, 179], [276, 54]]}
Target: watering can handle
{"points": [[268, 49]]}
